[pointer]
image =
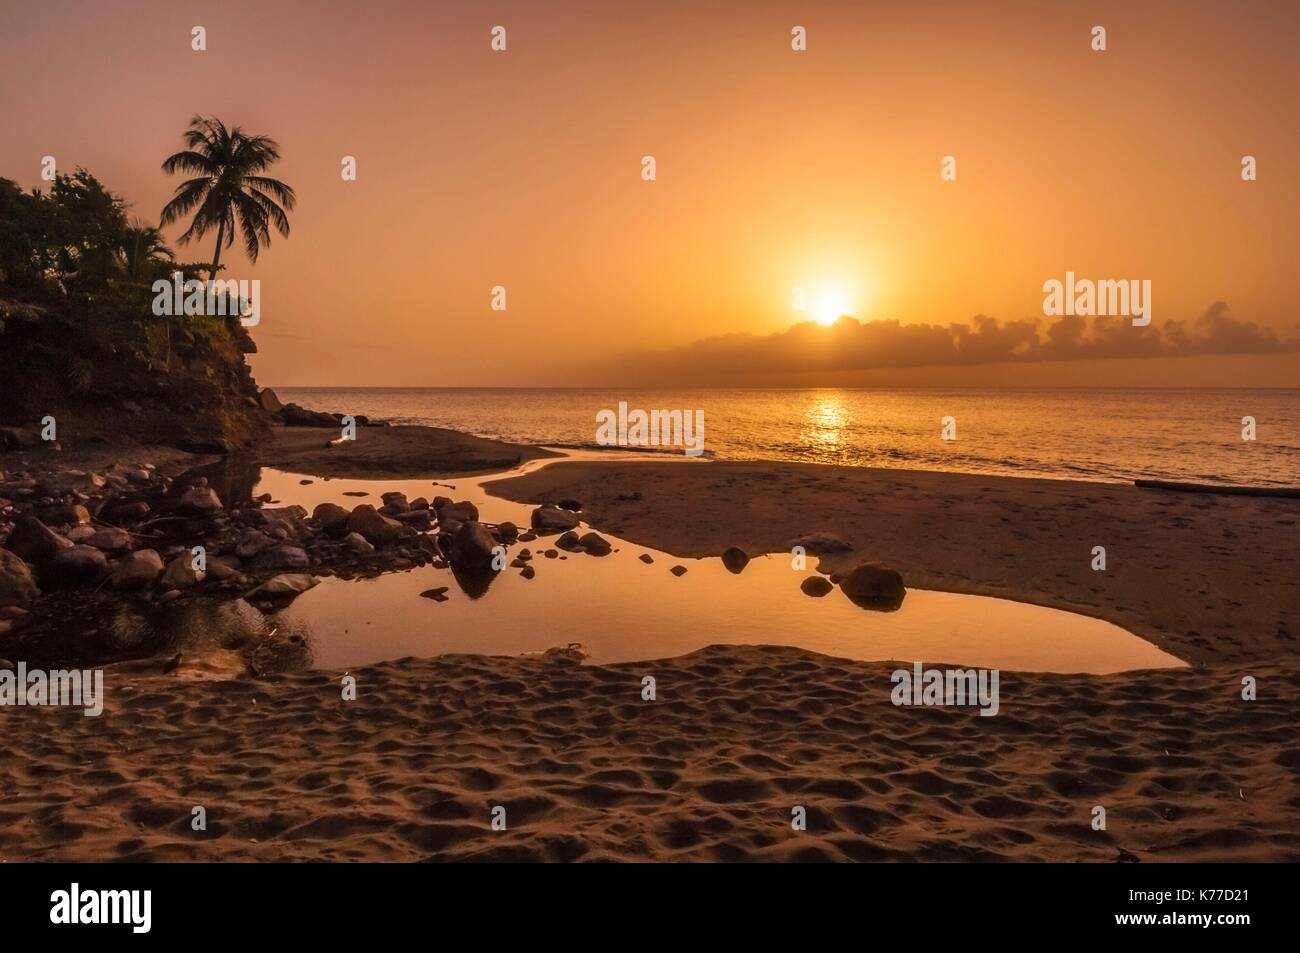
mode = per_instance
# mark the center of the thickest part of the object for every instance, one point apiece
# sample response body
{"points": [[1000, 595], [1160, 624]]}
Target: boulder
{"points": [[199, 501], [252, 542], [567, 541], [111, 540], [75, 566], [295, 416], [462, 512], [471, 547], [333, 518], [594, 544], [179, 574], [373, 525], [137, 571], [17, 585], [357, 544], [35, 542], [72, 514], [550, 517], [283, 557], [284, 586], [873, 587], [816, 586], [507, 531], [270, 403], [735, 559]]}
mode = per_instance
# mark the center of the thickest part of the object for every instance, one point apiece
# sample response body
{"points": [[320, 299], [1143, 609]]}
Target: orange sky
{"points": [[775, 168]]}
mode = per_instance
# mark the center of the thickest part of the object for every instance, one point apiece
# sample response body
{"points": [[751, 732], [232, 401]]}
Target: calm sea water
{"points": [[1107, 435]]}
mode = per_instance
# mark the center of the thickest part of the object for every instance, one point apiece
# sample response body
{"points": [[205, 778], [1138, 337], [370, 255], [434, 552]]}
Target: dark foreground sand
{"points": [[737, 737], [710, 770]]}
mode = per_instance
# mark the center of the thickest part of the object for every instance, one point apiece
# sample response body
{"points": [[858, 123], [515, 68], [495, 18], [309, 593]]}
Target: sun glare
{"points": [[828, 304]]}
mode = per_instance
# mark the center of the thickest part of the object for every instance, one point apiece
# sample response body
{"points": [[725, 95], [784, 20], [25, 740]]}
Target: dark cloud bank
{"points": [[851, 345]]}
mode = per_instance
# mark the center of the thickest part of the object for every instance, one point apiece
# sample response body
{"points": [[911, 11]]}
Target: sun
{"points": [[828, 304]]}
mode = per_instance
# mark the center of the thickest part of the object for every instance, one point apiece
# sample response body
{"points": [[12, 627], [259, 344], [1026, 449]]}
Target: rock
{"points": [[548, 516], [419, 519], [283, 557], [678, 570], [573, 505], [463, 512], [646, 558], [179, 574], [137, 571], [284, 586], [471, 547], [111, 540], [507, 530], [820, 543], [567, 540], [357, 544], [437, 595], [528, 572], [294, 416], [199, 501], [79, 534], [333, 518], [75, 566], [17, 585], [373, 525], [125, 511], [35, 542], [18, 438], [72, 514], [735, 559], [395, 498], [872, 587], [251, 543], [594, 544], [77, 481], [816, 586], [270, 403]]}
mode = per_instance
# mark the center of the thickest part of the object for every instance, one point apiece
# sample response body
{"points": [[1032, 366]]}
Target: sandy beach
{"points": [[738, 737]]}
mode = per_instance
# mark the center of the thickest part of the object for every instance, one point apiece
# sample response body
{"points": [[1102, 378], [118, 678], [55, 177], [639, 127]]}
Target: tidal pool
{"points": [[619, 608]]}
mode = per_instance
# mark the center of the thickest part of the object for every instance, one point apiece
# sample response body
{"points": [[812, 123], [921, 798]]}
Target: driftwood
{"points": [[1284, 491]]}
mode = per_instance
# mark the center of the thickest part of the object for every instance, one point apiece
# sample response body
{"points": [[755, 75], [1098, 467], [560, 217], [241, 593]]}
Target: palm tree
{"points": [[227, 188], [141, 246]]}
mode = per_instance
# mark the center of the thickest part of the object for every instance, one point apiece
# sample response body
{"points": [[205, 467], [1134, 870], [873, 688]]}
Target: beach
{"points": [[736, 738]]}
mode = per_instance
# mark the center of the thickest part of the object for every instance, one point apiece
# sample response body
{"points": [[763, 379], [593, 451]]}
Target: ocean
{"points": [[1109, 435]]}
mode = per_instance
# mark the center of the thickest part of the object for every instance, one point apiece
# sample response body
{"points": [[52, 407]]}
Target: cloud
{"points": [[852, 345]]}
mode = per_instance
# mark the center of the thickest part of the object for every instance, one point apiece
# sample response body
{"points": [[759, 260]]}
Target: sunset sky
{"points": [[775, 169]]}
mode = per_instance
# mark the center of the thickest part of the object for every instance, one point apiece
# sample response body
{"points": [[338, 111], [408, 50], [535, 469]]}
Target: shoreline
{"points": [[1026, 539], [587, 769]]}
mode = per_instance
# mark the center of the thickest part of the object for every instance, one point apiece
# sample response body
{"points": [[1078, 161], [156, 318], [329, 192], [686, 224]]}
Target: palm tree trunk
{"points": [[216, 255]]}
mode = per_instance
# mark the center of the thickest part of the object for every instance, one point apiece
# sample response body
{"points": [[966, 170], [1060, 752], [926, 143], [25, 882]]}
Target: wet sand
{"points": [[391, 452], [737, 737], [1208, 578]]}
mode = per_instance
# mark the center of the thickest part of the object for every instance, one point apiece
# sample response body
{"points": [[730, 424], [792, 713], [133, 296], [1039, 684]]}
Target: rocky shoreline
{"points": [[82, 536]]}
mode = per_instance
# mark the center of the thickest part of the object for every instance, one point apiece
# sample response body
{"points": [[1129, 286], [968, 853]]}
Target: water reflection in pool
{"points": [[623, 609]]}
